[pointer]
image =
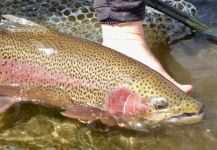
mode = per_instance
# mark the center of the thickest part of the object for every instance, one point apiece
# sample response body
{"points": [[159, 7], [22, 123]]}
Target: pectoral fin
{"points": [[6, 102], [89, 114]]}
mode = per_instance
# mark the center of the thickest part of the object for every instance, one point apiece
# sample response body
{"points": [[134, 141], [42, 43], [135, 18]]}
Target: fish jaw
{"points": [[188, 117], [185, 119], [191, 111]]}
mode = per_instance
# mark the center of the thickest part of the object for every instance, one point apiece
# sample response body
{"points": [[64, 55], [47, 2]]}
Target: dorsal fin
{"points": [[12, 23]]}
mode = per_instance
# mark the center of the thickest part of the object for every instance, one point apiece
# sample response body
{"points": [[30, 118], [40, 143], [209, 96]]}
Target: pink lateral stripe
{"points": [[15, 72]]}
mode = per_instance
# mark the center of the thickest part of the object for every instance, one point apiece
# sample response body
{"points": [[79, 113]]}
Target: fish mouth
{"points": [[183, 119], [186, 118]]}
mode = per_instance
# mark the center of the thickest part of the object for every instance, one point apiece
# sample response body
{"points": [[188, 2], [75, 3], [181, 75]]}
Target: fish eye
{"points": [[159, 103]]}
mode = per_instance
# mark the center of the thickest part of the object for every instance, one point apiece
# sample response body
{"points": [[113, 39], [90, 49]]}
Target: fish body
{"points": [[87, 81]]}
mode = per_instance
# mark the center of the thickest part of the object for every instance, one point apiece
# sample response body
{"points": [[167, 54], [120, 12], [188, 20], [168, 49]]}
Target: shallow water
{"points": [[191, 60]]}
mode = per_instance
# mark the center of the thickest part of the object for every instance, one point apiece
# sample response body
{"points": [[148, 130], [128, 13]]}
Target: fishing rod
{"points": [[182, 17]]}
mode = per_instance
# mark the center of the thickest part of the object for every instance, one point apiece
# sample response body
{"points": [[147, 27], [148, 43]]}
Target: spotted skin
{"points": [[52, 68], [78, 18]]}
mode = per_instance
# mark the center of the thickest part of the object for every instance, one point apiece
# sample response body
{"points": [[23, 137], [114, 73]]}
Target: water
{"points": [[191, 60]]}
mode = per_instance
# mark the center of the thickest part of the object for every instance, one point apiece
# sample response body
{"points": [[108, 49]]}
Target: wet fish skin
{"points": [[43, 66]]}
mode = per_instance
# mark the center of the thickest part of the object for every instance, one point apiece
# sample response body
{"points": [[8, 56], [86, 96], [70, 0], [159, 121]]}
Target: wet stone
{"points": [[91, 9], [159, 20], [23, 5], [163, 32], [30, 9], [52, 9], [89, 15], [80, 17], [59, 14], [88, 35], [1, 6], [70, 6], [55, 3], [8, 3], [77, 5], [84, 10], [189, 5], [152, 25], [97, 25], [39, 1], [31, 2], [45, 5], [85, 21], [63, 19], [71, 18], [180, 6], [67, 12], [94, 20], [55, 19], [193, 12], [64, 2], [60, 8], [184, 3], [48, 14]]}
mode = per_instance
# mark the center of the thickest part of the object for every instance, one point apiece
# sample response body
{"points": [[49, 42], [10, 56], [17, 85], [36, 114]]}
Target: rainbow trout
{"points": [[87, 81]]}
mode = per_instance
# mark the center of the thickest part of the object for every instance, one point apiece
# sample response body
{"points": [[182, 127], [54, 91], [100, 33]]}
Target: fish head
{"points": [[174, 110], [137, 109]]}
